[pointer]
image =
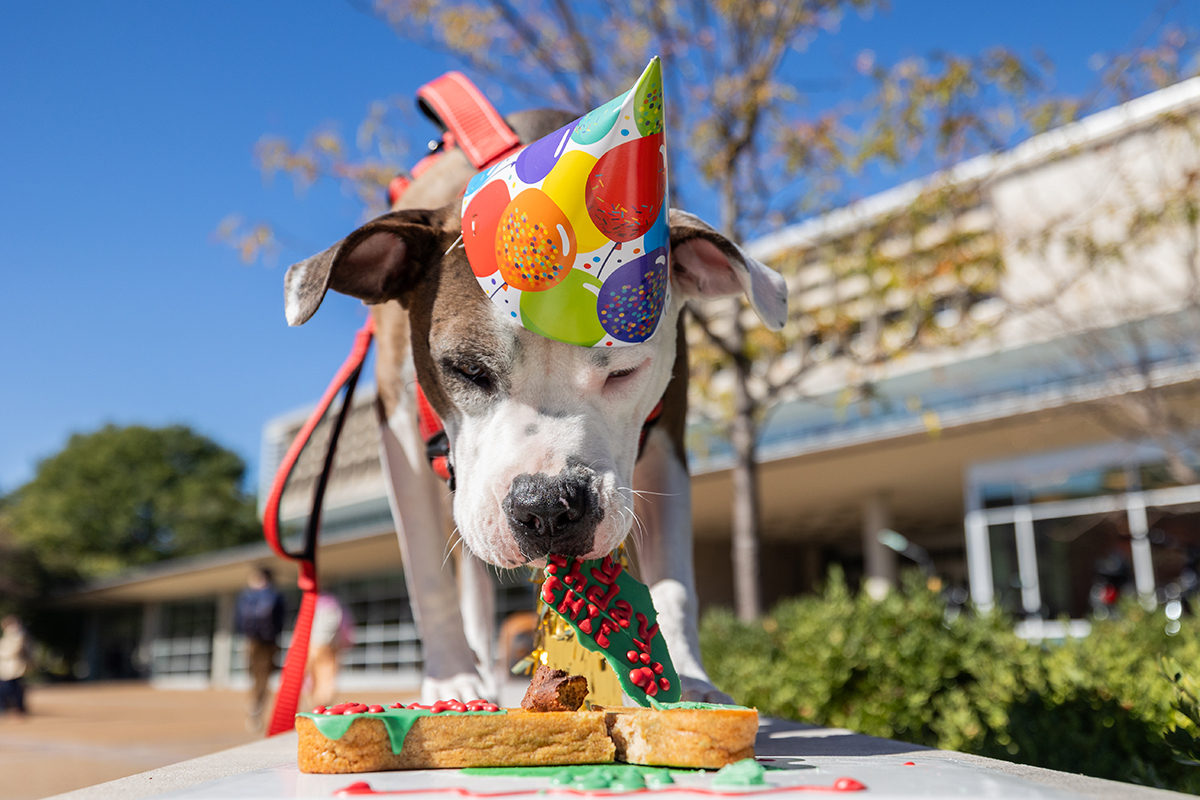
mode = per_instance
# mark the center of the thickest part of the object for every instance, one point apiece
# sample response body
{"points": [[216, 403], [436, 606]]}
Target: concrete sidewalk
{"points": [[79, 735]]}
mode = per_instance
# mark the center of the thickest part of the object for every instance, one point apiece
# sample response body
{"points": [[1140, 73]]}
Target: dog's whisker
{"points": [[456, 243], [451, 544]]}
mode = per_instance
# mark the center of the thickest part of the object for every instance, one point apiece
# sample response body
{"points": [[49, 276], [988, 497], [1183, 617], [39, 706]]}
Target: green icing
{"points": [[397, 721], [690, 705], [617, 777], [623, 598], [746, 772]]}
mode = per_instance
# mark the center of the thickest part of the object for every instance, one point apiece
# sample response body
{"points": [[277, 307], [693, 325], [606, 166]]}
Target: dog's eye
{"points": [[621, 373], [475, 374]]}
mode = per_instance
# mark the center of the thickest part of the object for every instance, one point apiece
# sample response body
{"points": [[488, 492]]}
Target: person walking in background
{"points": [[259, 617], [14, 661], [332, 632]]}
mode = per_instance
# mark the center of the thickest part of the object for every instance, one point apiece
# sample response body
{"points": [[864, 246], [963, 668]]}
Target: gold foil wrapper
{"points": [[555, 646]]}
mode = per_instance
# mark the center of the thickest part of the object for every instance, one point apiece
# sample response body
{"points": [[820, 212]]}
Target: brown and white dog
{"points": [[544, 436]]}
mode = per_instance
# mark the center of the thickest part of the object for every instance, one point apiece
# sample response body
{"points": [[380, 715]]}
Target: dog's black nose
{"points": [[555, 514]]}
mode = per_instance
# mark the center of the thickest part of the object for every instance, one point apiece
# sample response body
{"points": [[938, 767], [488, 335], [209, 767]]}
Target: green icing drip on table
{"points": [[397, 721], [618, 777], [688, 704], [746, 772]]}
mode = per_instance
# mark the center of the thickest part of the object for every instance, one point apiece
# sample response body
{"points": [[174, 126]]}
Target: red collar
{"points": [[468, 122]]}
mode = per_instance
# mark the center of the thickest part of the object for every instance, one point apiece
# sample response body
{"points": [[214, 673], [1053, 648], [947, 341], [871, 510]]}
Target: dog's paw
{"points": [[697, 690], [464, 686]]}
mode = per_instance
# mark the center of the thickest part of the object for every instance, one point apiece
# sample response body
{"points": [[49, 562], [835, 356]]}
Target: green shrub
{"points": [[901, 668]]}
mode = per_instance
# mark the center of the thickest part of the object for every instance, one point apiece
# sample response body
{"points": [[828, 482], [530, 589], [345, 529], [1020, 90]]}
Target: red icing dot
{"points": [[358, 787], [319, 710], [657, 667], [632, 655], [664, 684], [847, 785], [375, 709], [910, 763], [645, 658]]}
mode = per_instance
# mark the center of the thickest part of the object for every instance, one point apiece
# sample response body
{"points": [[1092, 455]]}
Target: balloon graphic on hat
{"points": [[568, 236]]}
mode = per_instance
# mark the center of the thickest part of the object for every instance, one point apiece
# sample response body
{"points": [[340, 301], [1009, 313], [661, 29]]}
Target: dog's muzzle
{"points": [[554, 514]]}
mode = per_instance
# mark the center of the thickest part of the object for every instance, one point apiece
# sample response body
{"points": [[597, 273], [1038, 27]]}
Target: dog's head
{"points": [[544, 435]]}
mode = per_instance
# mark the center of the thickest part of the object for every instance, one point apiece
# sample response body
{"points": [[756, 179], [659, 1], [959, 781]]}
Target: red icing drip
{"points": [[840, 785]]}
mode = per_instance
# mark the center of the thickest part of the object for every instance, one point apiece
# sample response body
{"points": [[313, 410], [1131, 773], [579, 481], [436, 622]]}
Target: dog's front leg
{"points": [[477, 602], [665, 557], [415, 496]]}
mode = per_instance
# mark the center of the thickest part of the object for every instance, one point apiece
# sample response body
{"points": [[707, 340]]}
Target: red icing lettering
{"points": [[621, 613], [600, 597], [646, 633], [551, 585], [572, 602], [606, 627], [574, 577], [608, 571]]}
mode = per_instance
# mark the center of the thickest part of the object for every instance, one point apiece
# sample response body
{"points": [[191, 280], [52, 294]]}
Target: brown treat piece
{"points": [[515, 739], [555, 690], [697, 738]]}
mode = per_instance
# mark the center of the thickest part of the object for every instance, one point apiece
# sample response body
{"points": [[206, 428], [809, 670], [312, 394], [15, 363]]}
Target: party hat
{"points": [[568, 236]]}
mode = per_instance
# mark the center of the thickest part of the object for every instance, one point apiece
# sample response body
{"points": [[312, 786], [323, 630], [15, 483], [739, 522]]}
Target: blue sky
{"points": [[126, 135]]}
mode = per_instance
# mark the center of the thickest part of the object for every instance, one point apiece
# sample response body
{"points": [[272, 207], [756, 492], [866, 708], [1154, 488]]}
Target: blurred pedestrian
{"points": [[260, 620], [14, 661], [332, 633]]}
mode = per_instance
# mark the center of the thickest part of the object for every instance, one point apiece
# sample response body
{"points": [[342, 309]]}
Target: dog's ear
{"points": [[705, 264], [382, 260]]}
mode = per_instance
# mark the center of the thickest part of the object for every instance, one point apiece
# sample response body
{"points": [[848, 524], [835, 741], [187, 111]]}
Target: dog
{"points": [[546, 438]]}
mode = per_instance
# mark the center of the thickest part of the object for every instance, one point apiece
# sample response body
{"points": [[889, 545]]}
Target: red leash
{"points": [[469, 122], [283, 718]]}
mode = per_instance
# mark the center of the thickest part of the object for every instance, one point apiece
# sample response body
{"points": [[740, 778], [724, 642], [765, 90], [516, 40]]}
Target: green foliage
{"points": [[124, 496], [903, 668], [1184, 738], [23, 577]]}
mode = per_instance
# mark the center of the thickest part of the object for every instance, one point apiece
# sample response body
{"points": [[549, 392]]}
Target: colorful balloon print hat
{"points": [[569, 236]]}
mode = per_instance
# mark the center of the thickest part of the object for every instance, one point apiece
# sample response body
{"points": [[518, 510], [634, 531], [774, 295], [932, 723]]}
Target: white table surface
{"points": [[802, 755]]}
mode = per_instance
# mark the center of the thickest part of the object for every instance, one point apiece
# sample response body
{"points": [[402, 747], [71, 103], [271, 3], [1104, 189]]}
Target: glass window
{"points": [[1006, 575], [1175, 549], [184, 642], [1073, 554]]}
